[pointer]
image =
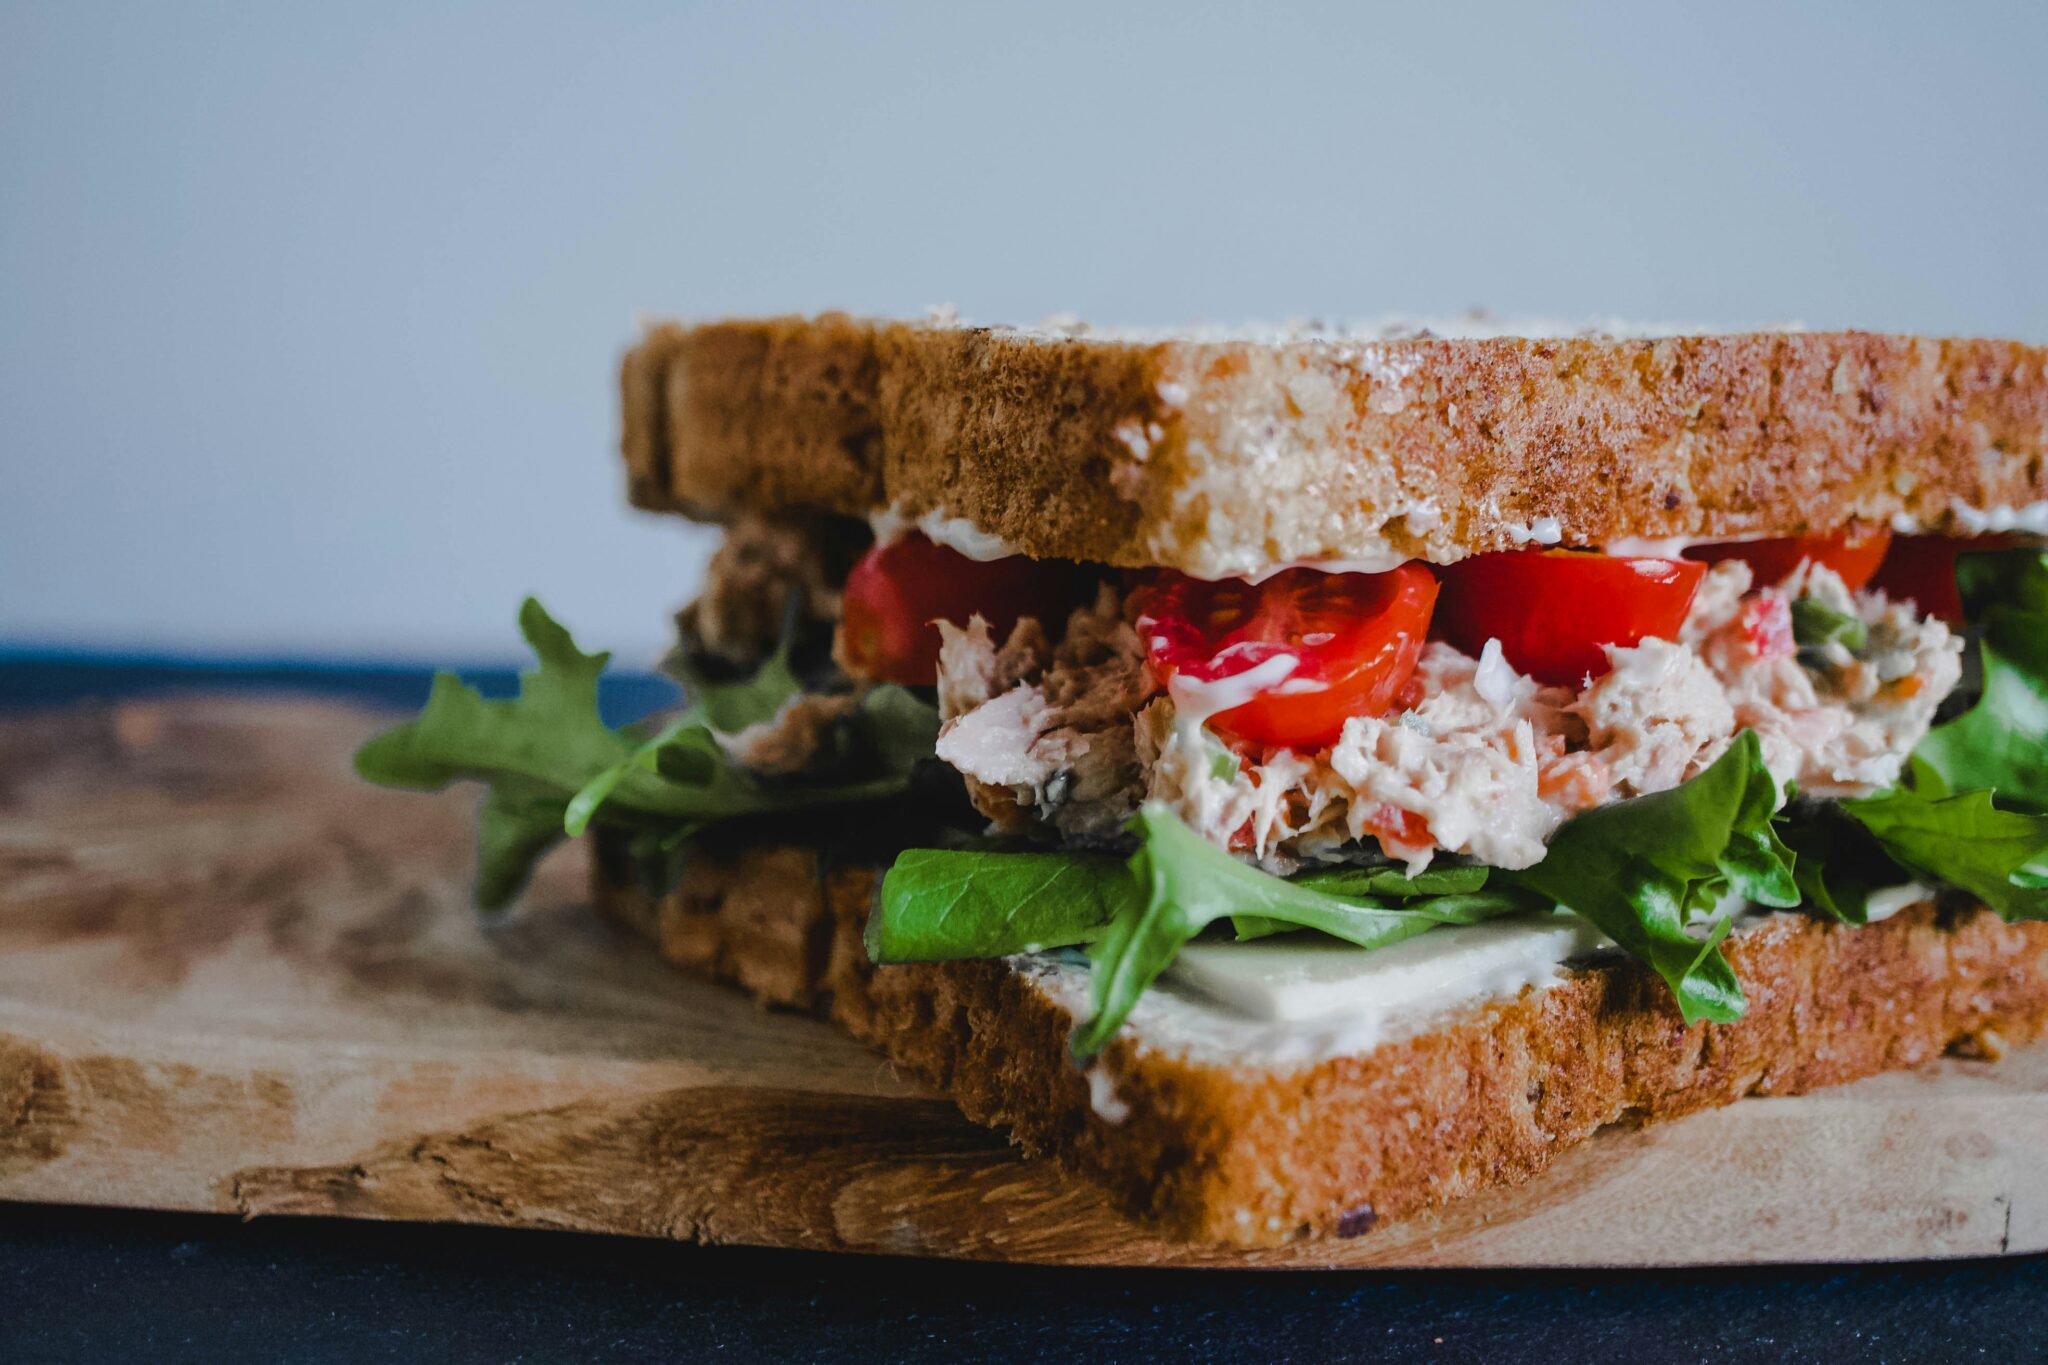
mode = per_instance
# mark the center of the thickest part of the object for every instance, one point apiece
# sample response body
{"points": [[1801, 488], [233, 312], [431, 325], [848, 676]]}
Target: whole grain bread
{"points": [[1223, 453], [1261, 1155]]}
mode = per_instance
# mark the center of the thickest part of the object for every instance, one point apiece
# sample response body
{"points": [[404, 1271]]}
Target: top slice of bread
{"points": [[1225, 454]]}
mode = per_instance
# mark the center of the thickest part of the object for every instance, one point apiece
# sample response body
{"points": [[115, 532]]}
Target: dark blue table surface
{"points": [[82, 1284]]}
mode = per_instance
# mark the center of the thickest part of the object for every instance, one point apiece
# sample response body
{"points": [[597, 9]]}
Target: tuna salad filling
{"points": [[1475, 758]]}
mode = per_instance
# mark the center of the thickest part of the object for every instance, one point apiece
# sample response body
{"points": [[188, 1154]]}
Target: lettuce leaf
{"points": [[937, 905], [554, 768], [2000, 745], [1183, 883], [550, 735], [1643, 870], [1964, 839], [1451, 894], [1135, 916], [1836, 861]]}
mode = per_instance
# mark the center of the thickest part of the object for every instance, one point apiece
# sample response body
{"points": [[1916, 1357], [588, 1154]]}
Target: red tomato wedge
{"points": [[1922, 570], [1311, 649], [898, 591], [1553, 611], [1854, 555]]}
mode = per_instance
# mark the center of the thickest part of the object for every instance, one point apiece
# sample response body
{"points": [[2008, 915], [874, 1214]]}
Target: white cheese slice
{"points": [[1301, 977]]}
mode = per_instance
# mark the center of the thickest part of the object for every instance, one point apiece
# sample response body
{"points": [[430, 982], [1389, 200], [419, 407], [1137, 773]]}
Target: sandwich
{"points": [[1296, 777]]}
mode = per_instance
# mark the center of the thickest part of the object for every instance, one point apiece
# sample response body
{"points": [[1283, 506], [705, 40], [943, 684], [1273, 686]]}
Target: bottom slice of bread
{"points": [[1256, 1154]]}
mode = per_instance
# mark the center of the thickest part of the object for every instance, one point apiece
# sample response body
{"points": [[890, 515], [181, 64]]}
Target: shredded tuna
{"points": [[1046, 734], [1475, 758], [794, 740], [1657, 717], [1838, 723], [759, 567]]}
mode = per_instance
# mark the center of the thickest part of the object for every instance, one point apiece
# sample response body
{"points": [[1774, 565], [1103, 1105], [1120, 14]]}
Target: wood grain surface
{"points": [[233, 978]]}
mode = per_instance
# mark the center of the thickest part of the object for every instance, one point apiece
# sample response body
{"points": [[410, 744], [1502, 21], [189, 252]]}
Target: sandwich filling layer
{"points": [[1475, 759], [1321, 803], [1298, 999]]}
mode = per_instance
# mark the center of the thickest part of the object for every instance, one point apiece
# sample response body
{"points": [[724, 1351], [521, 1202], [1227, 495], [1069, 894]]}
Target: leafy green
{"points": [[550, 734], [1445, 879], [1643, 870], [897, 731], [1455, 894], [731, 707], [2000, 745], [1964, 839], [942, 904], [1187, 883], [2013, 580], [513, 832], [553, 767], [1135, 916], [1836, 861]]}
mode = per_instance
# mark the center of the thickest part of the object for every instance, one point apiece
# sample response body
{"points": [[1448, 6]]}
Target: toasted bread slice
{"points": [[1488, 1095], [1226, 453]]}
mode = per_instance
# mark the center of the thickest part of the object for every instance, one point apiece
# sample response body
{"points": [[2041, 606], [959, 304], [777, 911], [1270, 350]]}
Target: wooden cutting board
{"points": [[233, 978]]}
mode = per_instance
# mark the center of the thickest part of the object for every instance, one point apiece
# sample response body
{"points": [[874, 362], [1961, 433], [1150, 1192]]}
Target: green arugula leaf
{"points": [[938, 905], [1836, 861], [1375, 924], [549, 734], [684, 771], [2013, 580], [1452, 894], [730, 707], [899, 728], [1642, 870], [1445, 879], [1187, 884], [554, 767], [1135, 916], [2000, 745], [513, 833], [1963, 839]]}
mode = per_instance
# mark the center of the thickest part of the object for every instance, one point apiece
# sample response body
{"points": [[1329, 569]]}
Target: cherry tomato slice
{"points": [[1853, 554], [898, 591], [1922, 570], [1352, 639], [1554, 610]]}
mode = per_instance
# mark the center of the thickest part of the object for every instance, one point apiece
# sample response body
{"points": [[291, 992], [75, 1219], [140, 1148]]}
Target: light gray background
{"points": [[308, 313]]}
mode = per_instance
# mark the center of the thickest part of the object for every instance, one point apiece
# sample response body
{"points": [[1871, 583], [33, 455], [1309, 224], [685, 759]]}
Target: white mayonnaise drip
{"points": [[960, 534], [955, 533], [1542, 531], [1194, 700], [2032, 518], [1109, 1106], [1496, 680], [1382, 563]]}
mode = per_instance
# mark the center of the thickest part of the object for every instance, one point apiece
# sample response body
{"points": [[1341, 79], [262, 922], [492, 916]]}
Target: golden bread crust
{"points": [[1223, 457], [1257, 1156]]}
